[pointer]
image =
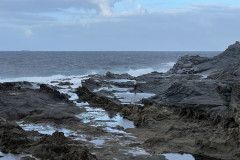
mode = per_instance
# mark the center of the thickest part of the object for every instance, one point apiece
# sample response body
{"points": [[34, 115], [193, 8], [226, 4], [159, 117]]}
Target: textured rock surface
{"points": [[96, 100], [235, 102], [226, 61], [13, 139], [35, 105]]}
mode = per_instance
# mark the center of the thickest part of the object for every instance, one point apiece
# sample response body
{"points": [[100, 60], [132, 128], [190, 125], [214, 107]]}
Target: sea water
{"points": [[48, 64]]}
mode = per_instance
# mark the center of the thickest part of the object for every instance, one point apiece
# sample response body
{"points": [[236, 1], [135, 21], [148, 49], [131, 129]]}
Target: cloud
{"points": [[105, 6], [43, 5], [98, 25], [27, 31], [33, 6], [140, 8]]}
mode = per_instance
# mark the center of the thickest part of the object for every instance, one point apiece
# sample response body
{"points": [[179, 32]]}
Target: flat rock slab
{"points": [[35, 105]]}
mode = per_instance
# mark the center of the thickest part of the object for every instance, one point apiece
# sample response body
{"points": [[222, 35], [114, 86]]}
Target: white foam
{"points": [[33, 79], [168, 64], [115, 130], [81, 104], [76, 80], [139, 72]]}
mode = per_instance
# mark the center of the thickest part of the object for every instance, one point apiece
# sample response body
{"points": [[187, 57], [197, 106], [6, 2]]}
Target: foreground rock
{"points": [[21, 102], [13, 139]]}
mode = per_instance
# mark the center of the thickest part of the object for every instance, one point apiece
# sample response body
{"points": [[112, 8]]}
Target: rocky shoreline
{"points": [[194, 108]]}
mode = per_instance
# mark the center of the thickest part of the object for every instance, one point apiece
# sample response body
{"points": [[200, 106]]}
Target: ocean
{"points": [[22, 65]]}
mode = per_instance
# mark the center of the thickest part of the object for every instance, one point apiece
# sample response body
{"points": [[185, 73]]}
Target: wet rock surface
{"points": [[35, 105], [56, 146], [97, 100]]}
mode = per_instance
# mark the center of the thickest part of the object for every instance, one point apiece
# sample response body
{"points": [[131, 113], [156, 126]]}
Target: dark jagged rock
{"points": [[56, 146], [35, 105], [225, 62], [14, 85], [118, 76], [65, 83], [233, 74], [12, 138], [85, 95], [91, 83], [187, 65], [53, 91]]}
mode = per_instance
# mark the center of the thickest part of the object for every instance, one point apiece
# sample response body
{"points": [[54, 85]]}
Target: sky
{"points": [[119, 25]]}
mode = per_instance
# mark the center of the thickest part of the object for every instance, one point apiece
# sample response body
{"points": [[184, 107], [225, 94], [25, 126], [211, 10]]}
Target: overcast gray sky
{"points": [[119, 25]]}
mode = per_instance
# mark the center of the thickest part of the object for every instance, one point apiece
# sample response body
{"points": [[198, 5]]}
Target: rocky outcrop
{"points": [[171, 129], [53, 91], [12, 138], [94, 99], [225, 62], [14, 85], [230, 75], [56, 146], [188, 65], [46, 104], [118, 76]]}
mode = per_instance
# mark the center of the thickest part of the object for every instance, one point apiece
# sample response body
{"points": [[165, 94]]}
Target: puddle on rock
{"points": [[10, 156], [137, 151], [45, 129], [177, 156], [101, 118], [98, 142], [132, 98], [121, 80], [112, 88]]}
